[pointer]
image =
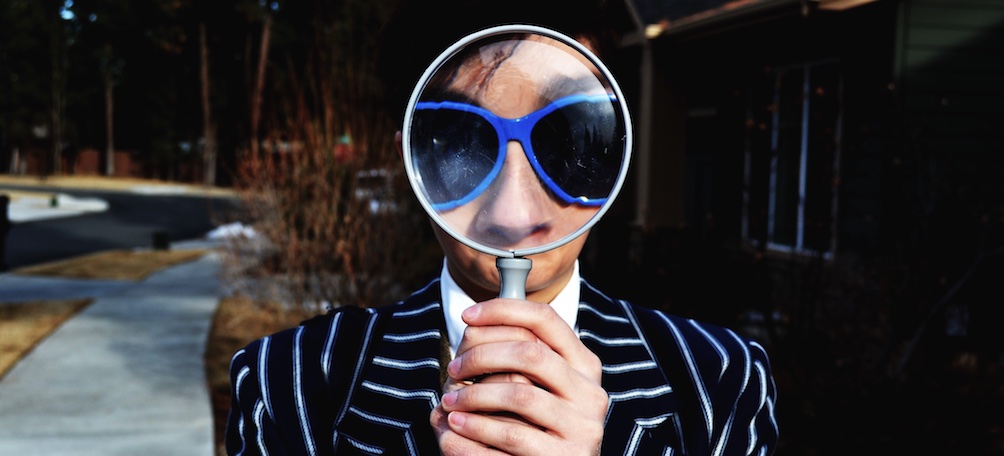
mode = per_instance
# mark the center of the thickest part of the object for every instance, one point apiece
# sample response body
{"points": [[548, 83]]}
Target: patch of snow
{"points": [[232, 230]]}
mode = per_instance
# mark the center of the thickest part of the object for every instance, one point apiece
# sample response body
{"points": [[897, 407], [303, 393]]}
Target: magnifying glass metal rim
{"points": [[427, 76]]}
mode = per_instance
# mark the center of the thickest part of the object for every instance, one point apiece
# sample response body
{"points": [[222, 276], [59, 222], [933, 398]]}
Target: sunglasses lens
{"points": [[453, 152], [581, 148]]}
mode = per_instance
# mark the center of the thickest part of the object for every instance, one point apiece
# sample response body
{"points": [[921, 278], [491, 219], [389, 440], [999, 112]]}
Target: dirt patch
{"points": [[113, 264], [24, 325], [238, 321]]}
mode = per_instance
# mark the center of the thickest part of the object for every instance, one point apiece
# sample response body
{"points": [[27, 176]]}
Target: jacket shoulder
{"points": [[720, 376], [712, 349]]}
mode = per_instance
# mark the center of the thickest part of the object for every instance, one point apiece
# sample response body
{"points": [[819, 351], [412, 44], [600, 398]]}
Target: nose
{"points": [[518, 212]]}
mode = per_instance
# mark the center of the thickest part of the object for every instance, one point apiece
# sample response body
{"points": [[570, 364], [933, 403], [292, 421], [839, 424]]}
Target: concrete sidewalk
{"points": [[123, 377]]}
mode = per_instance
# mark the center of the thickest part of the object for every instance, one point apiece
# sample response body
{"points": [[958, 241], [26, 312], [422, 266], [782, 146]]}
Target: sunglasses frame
{"points": [[520, 130], [415, 179]]}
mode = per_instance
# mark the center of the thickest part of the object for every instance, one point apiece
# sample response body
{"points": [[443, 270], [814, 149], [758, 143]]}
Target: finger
{"points": [[481, 335], [534, 360], [527, 402], [544, 323], [478, 335], [515, 438], [451, 443], [505, 377]]}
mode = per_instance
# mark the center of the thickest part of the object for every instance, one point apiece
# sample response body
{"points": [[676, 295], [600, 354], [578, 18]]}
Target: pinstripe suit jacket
{"points": [[363, 381]]}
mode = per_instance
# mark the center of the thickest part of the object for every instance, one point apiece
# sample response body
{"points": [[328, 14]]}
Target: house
{"points": [[812, 129], [825, 175]]}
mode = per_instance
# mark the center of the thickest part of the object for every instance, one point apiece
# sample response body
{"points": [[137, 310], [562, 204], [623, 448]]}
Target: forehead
{"points": [[518, 72]]}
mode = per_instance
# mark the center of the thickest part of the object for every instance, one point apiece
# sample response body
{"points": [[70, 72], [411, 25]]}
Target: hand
{"points": [[538, 389]]}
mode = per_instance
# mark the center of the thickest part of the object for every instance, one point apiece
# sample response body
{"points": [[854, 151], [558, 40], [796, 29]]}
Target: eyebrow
{"points": [[449, 95], [564, 86]]}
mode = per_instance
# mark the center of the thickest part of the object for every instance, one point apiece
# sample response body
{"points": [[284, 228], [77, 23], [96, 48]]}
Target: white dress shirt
{"points": [[455, 300]]}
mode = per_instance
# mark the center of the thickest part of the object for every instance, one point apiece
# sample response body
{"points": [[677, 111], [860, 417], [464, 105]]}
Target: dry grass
{"points": [[238, 321], [113, 264], [24, 325], [110, 183]]}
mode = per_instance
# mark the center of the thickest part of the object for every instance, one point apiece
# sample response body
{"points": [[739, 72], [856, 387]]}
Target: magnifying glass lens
{"points": [[516, 139]]}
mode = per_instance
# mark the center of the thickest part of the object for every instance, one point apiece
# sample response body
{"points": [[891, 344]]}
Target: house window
{"points": [[792, 160]]}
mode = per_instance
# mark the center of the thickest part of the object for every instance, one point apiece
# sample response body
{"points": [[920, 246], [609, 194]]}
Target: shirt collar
{"points": [[455, 301]]}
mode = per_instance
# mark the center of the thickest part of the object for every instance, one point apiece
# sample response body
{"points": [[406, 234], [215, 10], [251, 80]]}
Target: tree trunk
{"points": [[259, 83], [208, 129], [109, 125], [56, 112]]}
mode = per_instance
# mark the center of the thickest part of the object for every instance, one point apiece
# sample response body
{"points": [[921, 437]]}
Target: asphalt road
{"points": [[130, 222]]}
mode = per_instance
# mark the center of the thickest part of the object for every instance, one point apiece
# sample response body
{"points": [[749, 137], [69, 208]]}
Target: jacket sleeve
{"points": [[762, 397], [287, 388], [250, 428], [745, 398]]}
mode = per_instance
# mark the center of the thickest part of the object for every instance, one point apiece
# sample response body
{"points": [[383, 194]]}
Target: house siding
{"points": [[950, 73]]}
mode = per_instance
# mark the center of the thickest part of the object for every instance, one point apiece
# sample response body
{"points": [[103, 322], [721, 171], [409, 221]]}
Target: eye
{"points": [[454, 151]]}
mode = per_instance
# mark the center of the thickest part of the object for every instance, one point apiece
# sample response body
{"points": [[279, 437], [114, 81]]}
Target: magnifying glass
{"points": [[516, 141]]}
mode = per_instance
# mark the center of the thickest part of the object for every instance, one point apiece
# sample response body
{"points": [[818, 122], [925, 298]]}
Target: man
{"points": [[453, 369]]}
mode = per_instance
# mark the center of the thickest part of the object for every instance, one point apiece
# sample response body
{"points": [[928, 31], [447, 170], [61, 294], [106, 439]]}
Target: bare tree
{"points": [[208, 127], [58, 86], [331, 212], [109, 113], [259, 82]]}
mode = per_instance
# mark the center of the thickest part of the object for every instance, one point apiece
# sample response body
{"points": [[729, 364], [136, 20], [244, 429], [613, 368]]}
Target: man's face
{"points": [[516, 210]]}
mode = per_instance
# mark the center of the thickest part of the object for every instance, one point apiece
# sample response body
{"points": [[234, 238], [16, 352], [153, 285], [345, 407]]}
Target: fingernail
{"points": [[449, 399], [457, 419], [454, 367], [471, 312]]}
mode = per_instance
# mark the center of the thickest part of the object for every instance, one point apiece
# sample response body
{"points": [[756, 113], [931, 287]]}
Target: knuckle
{"points": [[590, 434], [471, 333], [513, 437], [543, 312], [436, 418], [531, 353], [450, 446], [600, 403], [594, 364], [599, 396], [473, 360], [468, 396], [522, 396]]}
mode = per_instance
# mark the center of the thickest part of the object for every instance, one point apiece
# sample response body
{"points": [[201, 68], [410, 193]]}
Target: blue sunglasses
{"points": [[575, 145]]}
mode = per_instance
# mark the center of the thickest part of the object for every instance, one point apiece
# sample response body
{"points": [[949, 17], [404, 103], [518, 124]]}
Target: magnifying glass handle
{"points": [[513, 273]]}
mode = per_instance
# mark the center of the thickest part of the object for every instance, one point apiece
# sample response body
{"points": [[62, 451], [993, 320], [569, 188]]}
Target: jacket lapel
{"points": [[401, 384], [641, 418]]}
